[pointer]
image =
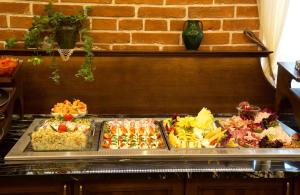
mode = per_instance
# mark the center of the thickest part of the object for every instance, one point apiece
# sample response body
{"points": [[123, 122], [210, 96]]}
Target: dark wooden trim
{"points": [[99, 53]]}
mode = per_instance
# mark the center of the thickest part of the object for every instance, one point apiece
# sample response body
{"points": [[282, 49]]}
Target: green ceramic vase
{"points": [[66, 37], [192, 34]]}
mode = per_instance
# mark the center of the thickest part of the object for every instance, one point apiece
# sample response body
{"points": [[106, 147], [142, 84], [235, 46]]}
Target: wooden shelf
{"points": [[99, 53], [290, 67]]}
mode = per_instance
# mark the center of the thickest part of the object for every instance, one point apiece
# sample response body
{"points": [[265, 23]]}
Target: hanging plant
{"points": [[56, 29]]}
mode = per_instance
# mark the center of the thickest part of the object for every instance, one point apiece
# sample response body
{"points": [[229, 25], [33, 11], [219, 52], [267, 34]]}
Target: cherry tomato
{"points": [[68, 117], [62, 128]]}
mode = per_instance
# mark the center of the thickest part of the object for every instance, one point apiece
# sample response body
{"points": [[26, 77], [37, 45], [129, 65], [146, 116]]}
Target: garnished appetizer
{"points": [[197, 132], [61, 134], [67, 108], [132, 134], [257, 128], [8, 65]]}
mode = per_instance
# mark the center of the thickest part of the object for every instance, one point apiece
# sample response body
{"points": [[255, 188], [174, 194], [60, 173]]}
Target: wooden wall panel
{"points": [[151, 84]]}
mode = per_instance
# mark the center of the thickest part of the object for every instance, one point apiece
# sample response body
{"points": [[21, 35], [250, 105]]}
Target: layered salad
{"points": [[64, 132], [56, 134], [132, 134]]}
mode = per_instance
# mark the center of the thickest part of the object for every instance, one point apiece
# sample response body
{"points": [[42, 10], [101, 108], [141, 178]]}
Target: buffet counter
{"points": [[165, 175]]}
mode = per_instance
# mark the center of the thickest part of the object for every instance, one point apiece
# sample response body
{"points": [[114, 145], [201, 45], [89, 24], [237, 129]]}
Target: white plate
{"points": [[74, 115]]}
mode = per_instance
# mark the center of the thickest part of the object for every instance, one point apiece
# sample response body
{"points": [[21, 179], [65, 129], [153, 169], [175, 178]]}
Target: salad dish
{"points": [[76, 108], [59, 134], [131, 134]]}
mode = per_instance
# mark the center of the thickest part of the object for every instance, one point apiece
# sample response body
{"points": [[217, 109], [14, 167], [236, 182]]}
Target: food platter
{"points": [[252, 134], [21, 152]]}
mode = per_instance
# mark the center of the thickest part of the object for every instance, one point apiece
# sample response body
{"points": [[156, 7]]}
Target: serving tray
{"points": [[19, 152], [157, 128]]}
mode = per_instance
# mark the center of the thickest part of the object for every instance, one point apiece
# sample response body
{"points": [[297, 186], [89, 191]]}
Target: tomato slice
{"points": [[62, 128], [68, 117]]}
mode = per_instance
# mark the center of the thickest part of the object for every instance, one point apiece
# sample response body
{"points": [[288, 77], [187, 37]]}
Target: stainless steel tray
{"points": [[157, 123], [92, 136], [19, 153]]}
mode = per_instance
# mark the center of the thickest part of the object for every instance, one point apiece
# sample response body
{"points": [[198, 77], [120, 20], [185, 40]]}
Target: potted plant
{"points": [[56, 29]]}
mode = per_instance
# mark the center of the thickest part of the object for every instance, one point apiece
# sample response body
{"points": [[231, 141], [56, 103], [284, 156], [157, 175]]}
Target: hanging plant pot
{"points": [[66, 37]]}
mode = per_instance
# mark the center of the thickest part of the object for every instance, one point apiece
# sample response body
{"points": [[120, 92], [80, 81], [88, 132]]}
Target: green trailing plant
{"points": [[10, 42], [46, 34]]}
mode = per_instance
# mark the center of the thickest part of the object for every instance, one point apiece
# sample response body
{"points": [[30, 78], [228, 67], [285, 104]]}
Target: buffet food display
{"points": [[257, 128], [132, 134], [75, 108], [63, 131], [8, 65], [68, 136], [196, 132], [58, 134]]}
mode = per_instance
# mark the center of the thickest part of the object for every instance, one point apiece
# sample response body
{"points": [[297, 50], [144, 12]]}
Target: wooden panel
{"points": [[132, 187], [236, 187], [151, 84], [33, 187]]}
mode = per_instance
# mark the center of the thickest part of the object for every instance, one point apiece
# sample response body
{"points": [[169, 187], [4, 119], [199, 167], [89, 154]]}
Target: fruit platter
{"points": [[132, 134], [196, 132]]}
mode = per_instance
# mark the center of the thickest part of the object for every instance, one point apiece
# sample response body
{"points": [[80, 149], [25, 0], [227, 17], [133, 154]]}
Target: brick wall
{"points": [[145, 24]]}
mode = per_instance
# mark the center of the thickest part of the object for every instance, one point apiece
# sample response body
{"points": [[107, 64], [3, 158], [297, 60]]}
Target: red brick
{"points": [[247, 11], [188, 2], [110, 37], [211, 12], [3, 22], [136, 47], [161, 38], [20, 22], [215, 38], [38, 9], [88, 1], [148, 2], [53, 1], [235, 2], [177, 25], [161, 12], [131, 24], [156, 25], [235, 48], [182, 48], [241, 24], [112, 11], [18, 34], [104, 24], [14, 8], [97, 46], [240, 38]]}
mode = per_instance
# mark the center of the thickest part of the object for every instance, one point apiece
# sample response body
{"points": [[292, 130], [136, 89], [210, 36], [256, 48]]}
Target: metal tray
{"points": [[156, 122], [92, 138], [19, 152], [285, 128]]}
